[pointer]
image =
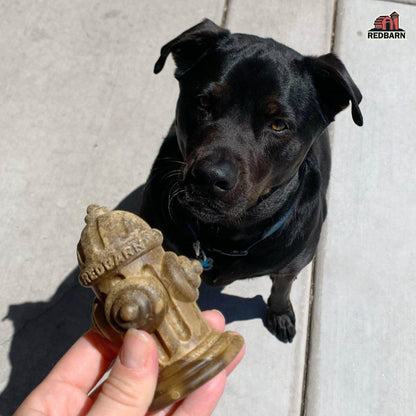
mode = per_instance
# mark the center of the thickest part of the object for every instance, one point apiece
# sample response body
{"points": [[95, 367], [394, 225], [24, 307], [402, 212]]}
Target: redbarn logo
{"points": [[387, 27]]}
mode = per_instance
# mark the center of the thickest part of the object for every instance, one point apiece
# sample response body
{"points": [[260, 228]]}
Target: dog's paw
{"points": [[282, 325]]}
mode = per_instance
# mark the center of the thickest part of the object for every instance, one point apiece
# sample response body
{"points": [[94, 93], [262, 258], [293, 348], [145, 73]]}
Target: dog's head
{"points": [[248, 112]]}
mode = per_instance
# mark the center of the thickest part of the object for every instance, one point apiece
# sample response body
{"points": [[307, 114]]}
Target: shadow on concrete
{"points": [[234, 308], [44, 331]]}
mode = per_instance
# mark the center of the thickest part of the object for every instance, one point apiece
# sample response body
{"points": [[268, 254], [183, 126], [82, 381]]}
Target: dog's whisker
{"points": [[164, 175], [173, 193], [172, 175], [172, 160], [164, 167]]}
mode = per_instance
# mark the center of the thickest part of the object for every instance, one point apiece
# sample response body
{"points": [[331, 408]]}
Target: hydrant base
{"points": [[193, 371]]}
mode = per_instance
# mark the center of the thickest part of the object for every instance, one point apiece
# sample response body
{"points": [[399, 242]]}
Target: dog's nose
{"points": [[215, 174]]}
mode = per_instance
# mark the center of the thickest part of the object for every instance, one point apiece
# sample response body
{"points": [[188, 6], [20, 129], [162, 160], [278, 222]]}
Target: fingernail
{"points": [[135, 349], [216, 310]]}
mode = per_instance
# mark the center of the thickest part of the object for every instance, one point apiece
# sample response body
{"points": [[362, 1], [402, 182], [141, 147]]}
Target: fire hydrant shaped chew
{"points": [[139, 285]]}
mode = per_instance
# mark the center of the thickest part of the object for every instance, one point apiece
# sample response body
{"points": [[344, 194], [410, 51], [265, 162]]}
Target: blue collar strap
{"points": [[208, 262]]}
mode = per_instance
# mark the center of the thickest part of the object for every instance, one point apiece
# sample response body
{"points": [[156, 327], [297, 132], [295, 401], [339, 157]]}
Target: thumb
{"points": [[131, 384]]}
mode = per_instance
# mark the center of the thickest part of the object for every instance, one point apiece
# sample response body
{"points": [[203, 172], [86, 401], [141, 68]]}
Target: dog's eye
{"points": [[279, 125]]}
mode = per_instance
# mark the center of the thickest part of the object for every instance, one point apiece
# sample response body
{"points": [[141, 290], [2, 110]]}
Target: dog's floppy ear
{"points": [[335, 86], [189, 46]]}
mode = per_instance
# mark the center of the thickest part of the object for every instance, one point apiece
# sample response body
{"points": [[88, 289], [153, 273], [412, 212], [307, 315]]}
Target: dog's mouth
{"points": [[207, 209], [211, 210]]}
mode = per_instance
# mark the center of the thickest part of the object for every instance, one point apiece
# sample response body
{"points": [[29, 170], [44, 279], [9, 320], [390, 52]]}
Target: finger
{"points": [[85, 362], [215, 319], [64, 390], [131, 384]]}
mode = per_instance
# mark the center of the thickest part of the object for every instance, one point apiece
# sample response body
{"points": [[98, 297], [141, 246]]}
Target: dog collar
{"points": [[208, 263]]}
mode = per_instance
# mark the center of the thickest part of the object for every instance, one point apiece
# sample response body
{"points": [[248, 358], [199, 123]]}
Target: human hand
{"points": [[129, 389]]}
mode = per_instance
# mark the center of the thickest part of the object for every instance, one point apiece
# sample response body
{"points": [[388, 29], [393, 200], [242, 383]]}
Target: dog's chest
{"points": [[225, 269]]}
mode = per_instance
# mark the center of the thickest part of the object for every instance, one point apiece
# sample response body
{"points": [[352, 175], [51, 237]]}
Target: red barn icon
{"points": [[387, 22], [387, 27]]}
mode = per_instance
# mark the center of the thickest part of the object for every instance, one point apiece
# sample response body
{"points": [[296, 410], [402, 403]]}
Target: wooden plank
{"points": [[82, 118], [362, 359], [270, 379]]}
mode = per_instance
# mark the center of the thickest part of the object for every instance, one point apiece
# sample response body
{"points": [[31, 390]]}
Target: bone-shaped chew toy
{"points": [[138, 284]]}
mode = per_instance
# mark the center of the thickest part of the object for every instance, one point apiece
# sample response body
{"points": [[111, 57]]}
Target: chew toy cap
{"points": [[110, 240]]}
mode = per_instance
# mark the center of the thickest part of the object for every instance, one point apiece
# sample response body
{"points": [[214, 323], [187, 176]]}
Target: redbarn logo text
{"points": [[387, 27]]}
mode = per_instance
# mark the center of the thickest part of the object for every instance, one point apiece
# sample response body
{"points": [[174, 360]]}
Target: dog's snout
{"points": [[215, 174]]}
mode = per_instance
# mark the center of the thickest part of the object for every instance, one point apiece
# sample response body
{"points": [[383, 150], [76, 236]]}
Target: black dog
{"points": [[240, 180]]}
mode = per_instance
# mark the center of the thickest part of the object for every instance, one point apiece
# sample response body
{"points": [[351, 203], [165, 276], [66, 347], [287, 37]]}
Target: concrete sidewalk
{"points": [[82, 118]]}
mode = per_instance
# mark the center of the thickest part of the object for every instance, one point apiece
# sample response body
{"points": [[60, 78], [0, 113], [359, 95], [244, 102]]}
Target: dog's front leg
{"points": [[280, 317]]}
